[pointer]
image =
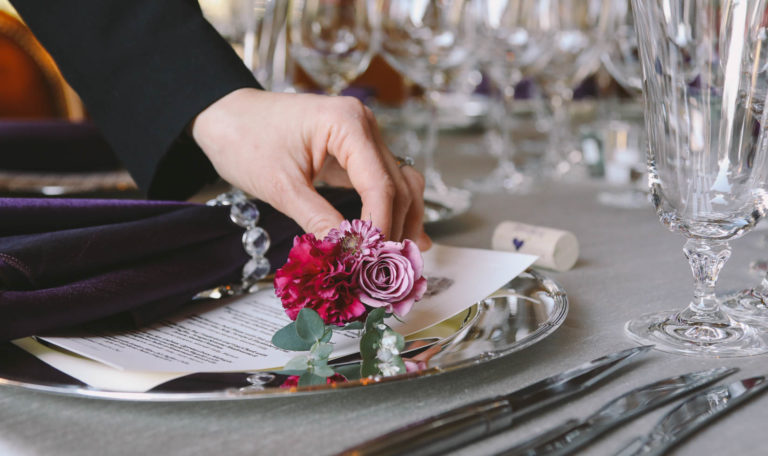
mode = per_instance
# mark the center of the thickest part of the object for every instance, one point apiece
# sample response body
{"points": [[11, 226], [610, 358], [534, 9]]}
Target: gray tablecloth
{"points": [[629, 264]]}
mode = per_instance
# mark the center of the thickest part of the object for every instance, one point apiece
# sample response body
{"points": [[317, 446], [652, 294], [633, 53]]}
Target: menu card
{"points": [[234, 334]]}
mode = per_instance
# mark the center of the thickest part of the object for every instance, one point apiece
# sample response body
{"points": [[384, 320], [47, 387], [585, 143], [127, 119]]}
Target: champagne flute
{"points": [[423, 39], [332, 40], [513, 43], [708, 163]]}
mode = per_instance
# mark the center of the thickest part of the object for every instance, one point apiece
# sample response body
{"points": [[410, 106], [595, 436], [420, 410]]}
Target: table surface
{"points": [[629, 264]]}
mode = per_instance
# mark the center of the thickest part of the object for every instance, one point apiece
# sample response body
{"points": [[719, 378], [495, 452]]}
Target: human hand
{"points": [[274, 145]]}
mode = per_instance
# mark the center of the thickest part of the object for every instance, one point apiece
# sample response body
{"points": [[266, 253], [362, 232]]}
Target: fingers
{"points": [[392, 197], [413, 227], [403, 192], [353, 143]]}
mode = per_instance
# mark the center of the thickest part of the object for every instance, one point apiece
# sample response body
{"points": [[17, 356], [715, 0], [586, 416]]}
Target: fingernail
{"points": [[424, 242]]}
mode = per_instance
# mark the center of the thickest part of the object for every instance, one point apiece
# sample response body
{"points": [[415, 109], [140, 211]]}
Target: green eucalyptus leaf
{"points": [[374, 318], [300, 362], [400, 344], [310, 379], [350, 371], [322, 370], [288, 339], [369, 343], [398, 361], [352, 326], [369, 368], [327, 334], [289, 372], [309, 326], [321, 351]]}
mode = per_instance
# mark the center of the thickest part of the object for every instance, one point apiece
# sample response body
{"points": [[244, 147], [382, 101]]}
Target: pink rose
{"points": [[393, 278]]}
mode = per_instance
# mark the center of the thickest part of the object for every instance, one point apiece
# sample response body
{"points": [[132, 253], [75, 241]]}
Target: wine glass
{"points": [[424, 39], [702, 67], [332, 41], [579, 29], [621, 58], [513, 43], [752, 304]]}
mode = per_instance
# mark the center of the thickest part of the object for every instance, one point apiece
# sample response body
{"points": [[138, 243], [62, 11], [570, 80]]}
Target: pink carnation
{"points": [[393, 278], [358, 238], [316, 276]]}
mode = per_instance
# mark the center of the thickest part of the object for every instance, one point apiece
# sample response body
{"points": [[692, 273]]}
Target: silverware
{"points": [[462, 425], [692, 415], [574, 434]]}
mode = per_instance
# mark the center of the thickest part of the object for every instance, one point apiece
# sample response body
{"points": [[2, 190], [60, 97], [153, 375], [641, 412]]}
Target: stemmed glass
{"points": [[579, 29], [424, 39], [702, 60], [513, 43], [621, 58], [332, 41]]}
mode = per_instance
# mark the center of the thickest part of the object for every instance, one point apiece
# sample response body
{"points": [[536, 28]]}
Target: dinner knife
{"points": [[692, 415], [467, 423], [574, 434]]}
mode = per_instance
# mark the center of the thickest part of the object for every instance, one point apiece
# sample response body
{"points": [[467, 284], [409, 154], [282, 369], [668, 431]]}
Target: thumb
{"points": [[310, 210]]}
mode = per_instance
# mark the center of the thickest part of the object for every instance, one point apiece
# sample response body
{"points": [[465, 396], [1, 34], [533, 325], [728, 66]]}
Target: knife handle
{"points": [[641, 446], [552, 442], [440, 433]]}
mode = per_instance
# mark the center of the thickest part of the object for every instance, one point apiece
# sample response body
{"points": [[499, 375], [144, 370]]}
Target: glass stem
{"points": [[431, 175], [507, 152], [560, 97], [707, 259]]}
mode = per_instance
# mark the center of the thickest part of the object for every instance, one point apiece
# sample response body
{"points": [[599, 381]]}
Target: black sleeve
{"points": [[144, 69]]}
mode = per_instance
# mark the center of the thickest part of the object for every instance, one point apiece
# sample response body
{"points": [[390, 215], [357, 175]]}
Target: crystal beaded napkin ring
{"points": [[255, 239]]}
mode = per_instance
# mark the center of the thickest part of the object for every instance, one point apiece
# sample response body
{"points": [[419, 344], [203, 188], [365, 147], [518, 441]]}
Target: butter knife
{"points": [[465, 424], [574, 434], [692, 415]]}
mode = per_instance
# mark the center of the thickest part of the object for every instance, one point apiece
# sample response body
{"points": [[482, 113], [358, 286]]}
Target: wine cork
{"points": [[556, 249]]}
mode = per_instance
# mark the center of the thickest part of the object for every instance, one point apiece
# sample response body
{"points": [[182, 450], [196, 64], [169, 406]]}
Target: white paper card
{"points": [[235, 334]]}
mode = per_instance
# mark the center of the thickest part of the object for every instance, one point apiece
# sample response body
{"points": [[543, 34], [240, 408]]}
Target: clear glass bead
{"points": [[227, 199], [256, 241], [255, 269], [244, 213]]}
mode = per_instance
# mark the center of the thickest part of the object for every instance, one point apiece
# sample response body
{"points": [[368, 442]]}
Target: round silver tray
{"points": [[521, 313]]}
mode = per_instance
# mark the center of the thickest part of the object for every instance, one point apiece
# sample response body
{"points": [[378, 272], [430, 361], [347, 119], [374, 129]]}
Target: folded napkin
{"points": [[64, 262]]}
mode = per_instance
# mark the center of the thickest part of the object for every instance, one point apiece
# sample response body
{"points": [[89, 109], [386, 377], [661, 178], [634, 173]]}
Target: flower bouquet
{"points": [[351, 280]]}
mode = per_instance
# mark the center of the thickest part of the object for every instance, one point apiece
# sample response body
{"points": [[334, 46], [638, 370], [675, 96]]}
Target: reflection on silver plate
{"points": [[521, 313], [441, 206]]}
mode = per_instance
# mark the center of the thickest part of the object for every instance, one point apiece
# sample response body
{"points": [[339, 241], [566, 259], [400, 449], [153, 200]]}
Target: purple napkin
{"points": [[64, 262]]}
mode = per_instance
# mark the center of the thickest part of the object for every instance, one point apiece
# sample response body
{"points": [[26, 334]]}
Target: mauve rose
{"points": [[393, 278]]}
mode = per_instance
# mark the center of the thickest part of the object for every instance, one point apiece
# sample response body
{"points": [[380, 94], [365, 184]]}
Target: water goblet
{"points": [[707, 157], [579, 29], [513, 44], [332, 41], [423, 40]]}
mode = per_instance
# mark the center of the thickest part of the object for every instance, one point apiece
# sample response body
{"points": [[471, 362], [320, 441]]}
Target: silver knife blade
{"points": [[574, 434], [692, 415], [462, 425]]}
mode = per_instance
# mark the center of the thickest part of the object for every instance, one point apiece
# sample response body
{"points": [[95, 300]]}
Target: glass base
{"points": [[668, 333], [626, 199], [747, 305], [503, 178]]}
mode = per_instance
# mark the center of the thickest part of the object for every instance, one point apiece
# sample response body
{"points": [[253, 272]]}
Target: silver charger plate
{"points": [[526, 310]]}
